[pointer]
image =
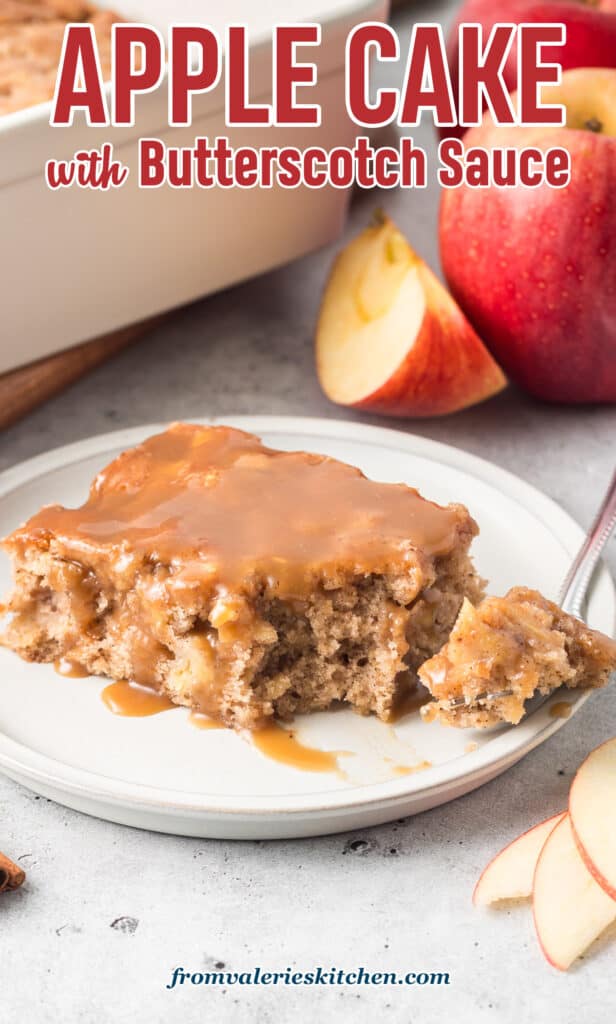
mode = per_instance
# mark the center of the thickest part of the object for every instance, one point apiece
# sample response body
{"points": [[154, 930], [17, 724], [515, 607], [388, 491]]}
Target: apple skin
{"points": [[534, 270], [570, 909], [590, 42], [446, 370], [599, 876], [527, 847], [440, 364]]}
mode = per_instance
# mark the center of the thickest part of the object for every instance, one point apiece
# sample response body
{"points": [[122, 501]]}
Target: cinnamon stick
{"points": [[11, 875]]}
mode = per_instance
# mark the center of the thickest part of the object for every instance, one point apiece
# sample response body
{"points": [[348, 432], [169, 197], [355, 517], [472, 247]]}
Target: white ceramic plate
{"points": [[57, 737]]}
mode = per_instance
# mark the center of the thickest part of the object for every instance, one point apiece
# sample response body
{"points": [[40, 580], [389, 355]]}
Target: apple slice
{"points": [[592, 808], [509, 875], [570, 908], [391, 339]]}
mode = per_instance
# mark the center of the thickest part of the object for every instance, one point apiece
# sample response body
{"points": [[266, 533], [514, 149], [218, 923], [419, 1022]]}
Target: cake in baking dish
{"points": [[31, 35], [242, 581]]}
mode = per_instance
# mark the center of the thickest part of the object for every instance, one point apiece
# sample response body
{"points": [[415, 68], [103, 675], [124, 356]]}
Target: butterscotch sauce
{"points": [[203, 721], [133, 701], [212, 504], [130, 700], [281, 745], [562, 709], [70, 669]]}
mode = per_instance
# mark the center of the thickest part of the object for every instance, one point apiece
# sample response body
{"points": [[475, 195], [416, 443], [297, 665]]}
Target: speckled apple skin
{"points": [[535, 269]]}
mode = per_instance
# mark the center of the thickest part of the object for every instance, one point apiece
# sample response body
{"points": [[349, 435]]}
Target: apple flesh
{"points": [[534, 270], [570, 908], [590, 39], [390, 338], [509, 876], [592, 808]]}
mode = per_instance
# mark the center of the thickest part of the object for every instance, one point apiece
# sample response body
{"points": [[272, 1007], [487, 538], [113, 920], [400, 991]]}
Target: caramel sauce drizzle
{"points": [[214, 505], [281, 745], [275, 741], [133, 701]]}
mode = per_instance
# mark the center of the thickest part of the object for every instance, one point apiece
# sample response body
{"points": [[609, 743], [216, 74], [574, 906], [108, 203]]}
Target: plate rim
{"points": [[508, 746]]}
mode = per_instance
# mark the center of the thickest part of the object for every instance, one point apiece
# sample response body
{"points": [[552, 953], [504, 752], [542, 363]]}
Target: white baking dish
{"points": [[75, 263]]}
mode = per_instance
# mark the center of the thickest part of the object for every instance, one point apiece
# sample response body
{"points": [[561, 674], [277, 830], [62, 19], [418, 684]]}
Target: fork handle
{"points": [[577, 580]]}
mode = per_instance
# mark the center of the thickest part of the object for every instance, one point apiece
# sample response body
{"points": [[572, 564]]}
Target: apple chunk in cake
{"points": [[242, 581], [521, 643]]}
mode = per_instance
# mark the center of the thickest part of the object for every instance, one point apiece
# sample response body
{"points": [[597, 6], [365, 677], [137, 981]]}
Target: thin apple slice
{"points": [[509, 876], [571, 910], [391, 339], [592, 808]]}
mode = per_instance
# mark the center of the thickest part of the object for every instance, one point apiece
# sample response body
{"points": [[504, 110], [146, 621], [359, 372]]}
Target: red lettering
{"points": [[246, 165], [557, 167], [289, 172], [290, 74], [89, 168], [268, 159], [481, 74], [414, 165], [531, 174], [384, 173], [128, 79], [340, 167], [477, 167], [79, 59], [223, 154], [241, 113], [151, 163], [179, 167], [59, 173], [364, 157], [450, 154], [184, 80], [504, 170], [427, 58], [360, 42], [532, 73], [203, 155], [98, 169], [314, 177]]}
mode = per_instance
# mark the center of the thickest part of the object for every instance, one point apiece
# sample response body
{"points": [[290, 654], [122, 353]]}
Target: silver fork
{"points": [[575, 585]]}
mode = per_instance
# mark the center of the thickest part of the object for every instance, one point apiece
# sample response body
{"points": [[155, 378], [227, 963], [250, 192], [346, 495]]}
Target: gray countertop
{"points": [[108, 912]]}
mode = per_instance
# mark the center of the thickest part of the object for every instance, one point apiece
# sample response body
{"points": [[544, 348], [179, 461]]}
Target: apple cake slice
{"points": [[241, 581], [516, 645]]}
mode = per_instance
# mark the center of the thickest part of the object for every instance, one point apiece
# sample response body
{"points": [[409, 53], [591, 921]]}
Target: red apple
{"points": [[391, 339], [590, 42], [535, 269]]}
